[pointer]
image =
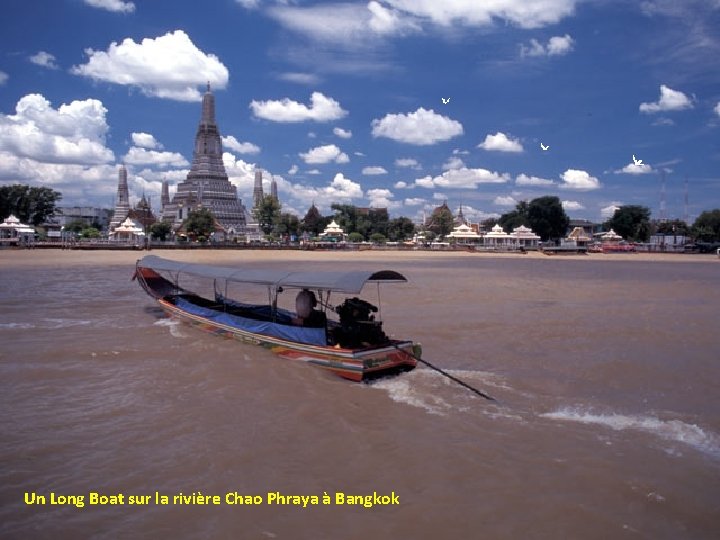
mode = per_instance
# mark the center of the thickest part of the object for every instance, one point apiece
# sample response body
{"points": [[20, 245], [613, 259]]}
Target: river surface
{"points": [[606, 373]]}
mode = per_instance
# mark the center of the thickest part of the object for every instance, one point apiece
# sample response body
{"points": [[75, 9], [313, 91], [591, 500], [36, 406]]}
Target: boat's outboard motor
{"points": [[358, 327]]}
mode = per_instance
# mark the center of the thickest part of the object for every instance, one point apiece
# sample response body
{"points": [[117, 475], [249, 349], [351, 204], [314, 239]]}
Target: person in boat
{"points": [[306, 314]]}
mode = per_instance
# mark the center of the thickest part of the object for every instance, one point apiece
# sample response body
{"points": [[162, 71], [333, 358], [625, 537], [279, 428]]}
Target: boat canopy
{"points": [[344, 282]]}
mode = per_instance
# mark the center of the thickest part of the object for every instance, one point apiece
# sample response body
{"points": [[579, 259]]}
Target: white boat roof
{"points": [[346, 282]]}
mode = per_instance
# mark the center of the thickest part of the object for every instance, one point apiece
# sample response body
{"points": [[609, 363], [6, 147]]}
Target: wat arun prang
{"points": [[207, 183]]}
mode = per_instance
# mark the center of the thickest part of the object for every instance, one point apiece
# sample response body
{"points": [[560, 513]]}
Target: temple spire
{"points": [[208, 108]]}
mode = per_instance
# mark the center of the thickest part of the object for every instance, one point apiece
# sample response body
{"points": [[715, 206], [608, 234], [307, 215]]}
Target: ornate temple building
{"points": [[122, 204], [207, 183]]}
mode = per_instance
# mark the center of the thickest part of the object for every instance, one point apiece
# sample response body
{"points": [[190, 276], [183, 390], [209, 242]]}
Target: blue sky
{"points": [[389, 103]]}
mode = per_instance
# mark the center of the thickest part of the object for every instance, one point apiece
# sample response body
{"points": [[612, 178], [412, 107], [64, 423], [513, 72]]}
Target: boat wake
{"points": [[692, 435], [16, 326], [173, 325], [436, 394]]}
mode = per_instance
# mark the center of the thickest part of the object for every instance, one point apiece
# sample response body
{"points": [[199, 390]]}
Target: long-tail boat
{"points": [[346, 339]]}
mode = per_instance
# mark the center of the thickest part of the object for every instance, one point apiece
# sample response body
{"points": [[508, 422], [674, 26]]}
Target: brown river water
{"points": [[606, 371]]}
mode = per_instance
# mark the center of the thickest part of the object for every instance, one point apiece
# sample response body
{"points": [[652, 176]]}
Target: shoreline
{"points": [[23, 258]]}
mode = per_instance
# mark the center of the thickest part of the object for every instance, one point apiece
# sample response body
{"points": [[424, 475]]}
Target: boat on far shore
{"points": [[353, 346]]}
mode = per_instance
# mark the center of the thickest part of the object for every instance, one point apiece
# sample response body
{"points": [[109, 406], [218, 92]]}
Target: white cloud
{"points": [[44, 59], [321, 109], [300, 78], [525, 180], [670, 100], [293, 170], [143, 156], [343, 134], [408, 163], [572, 205], [118, 6], [522, 13], [414, 202], [421, 127], [632, 168], [232, 143], [400, 184], [608, 211], [345, 23], [556, 46], [373, 170], [249, 4], [313, 171], [3, 77], [717, 109], [504, 201], [663, 121], [453, 162], [324, 154], [462, 178], [145, 140], [380, 198], [501, 143], [578, 180], [341, 188], [73, 133], [169, 66]]}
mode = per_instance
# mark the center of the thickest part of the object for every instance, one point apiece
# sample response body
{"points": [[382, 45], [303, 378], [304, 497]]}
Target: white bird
{"points": [[637, 161], [445, 100], [544, 147]]}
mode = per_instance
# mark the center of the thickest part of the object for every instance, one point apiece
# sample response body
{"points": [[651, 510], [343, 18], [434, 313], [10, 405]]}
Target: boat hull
{"points": [[352, 364]]}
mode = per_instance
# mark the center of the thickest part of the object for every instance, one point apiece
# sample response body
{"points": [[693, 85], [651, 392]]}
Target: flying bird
{"points": [[637, 161], [445, 100], [544, 147]]}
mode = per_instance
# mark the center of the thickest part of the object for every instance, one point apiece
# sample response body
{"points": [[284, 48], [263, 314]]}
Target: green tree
{"points": [[515, 218], [160, 230], [632, 222], [346, 216], [32, 205], [400, 229], [267, 213], [200, 223], [288, 224], [355, 237], [378, 238], [75, 226], [379, 221], [90, 232], [707, 226], [547, 218]]}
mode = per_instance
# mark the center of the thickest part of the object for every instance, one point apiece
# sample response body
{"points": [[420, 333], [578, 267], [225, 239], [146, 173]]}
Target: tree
{"points": [[32, 205], [674, 226], [631, 222], [288, 224], [378, 238], [400, 229], [547, 218], [90, 232], [200, 223], [515, 218], [355, 237], [160, 230], [267, 213], [707, 226]]}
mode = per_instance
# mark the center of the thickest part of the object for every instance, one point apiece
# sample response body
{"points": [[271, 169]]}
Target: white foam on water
{"points": [[670, 430], [402, 390], [65, 323], [173, 325], [16, 326]]}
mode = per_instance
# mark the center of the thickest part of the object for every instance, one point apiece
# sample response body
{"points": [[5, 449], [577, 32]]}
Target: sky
{"points": [[400, 104]]}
